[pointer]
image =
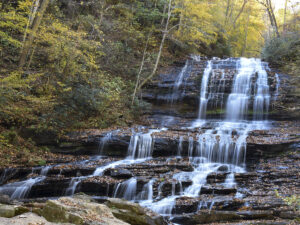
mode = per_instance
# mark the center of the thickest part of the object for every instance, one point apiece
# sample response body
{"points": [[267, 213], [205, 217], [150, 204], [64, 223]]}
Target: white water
{"points": [[19, 190], [141, 144], [73, 185], [229, 182], [178, 82], [238, 100], [277, 87], [225, 143], [221, 144], [103, 142], [126, 190], [179, 148], [262, 96], [203, 93]]}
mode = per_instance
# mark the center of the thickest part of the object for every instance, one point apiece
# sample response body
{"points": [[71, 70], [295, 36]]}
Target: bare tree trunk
{"points": [[269, 7], [34, 8], [35, 25], [141, 69], [165, 32], [274, 18]]}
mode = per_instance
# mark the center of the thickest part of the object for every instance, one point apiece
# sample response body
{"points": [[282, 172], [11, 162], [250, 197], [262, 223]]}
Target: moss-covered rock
{"points": [[80, 209], [54, 211], [7, 211], [133, 213]]}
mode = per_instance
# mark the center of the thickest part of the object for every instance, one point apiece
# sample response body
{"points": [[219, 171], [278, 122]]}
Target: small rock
{"points": [[4, 199], [223, 168]]}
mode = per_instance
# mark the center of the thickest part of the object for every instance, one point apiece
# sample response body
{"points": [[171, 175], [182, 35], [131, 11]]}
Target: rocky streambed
{"points": [[207, 152]]}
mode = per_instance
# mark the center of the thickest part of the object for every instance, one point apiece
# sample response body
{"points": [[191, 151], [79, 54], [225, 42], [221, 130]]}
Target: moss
{"points": [[54, 212]]}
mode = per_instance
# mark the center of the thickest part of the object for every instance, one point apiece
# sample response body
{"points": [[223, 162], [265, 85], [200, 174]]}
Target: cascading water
{"points": [[223, 146], [178, 82], [277, 87], [203, 93], [103, 142], [126, 190], [20, 190], [238, 100], [262, 96], [141, 144], [218, 145]]}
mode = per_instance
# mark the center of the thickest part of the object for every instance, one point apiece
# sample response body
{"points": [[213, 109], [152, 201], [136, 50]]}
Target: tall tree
{"points": [[34, 28], [165, 33], [269, 7]]}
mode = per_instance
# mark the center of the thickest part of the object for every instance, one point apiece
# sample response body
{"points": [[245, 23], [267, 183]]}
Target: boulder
{"points": [[78, 210], [25, 219], [133, 213], [7, 211]]}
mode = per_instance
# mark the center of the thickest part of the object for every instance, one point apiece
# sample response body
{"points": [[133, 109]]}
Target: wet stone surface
{"points": [[227, 169]]}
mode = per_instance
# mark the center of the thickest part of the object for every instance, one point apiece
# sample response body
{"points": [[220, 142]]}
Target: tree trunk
{"points": [[165, 32], [141, 69], [34, 7], [240, 12], [274, 18], [35, 25]]}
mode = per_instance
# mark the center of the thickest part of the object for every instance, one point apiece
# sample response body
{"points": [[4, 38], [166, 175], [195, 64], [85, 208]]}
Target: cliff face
{"points": [[284, 99]]}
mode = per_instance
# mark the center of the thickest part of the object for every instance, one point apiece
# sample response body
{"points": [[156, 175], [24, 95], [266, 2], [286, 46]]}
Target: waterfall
{"points": [[126, 190], [238, 100], [237, 104], [179, 147], [218, 146], [262, 96], [191, 146], [203, 92], [147, 192], [178, 82], [103, 141], [141, 144], [20, 190], [72, 186], [229, 182], [277, 87]]}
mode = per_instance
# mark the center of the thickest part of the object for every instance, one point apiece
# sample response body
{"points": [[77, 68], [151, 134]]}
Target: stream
{"points": [[205, 164]]}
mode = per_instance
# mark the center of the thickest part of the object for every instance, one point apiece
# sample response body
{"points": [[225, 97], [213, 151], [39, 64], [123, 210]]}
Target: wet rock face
{"points": [[185, 100], [168, 155]]}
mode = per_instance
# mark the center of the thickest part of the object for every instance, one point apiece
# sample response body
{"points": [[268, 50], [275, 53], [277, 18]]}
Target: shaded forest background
{"points": [[75, 64]]}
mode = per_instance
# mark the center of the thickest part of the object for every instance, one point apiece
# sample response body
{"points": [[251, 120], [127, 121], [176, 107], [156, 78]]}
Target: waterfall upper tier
{"points": [[208, 86]]}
